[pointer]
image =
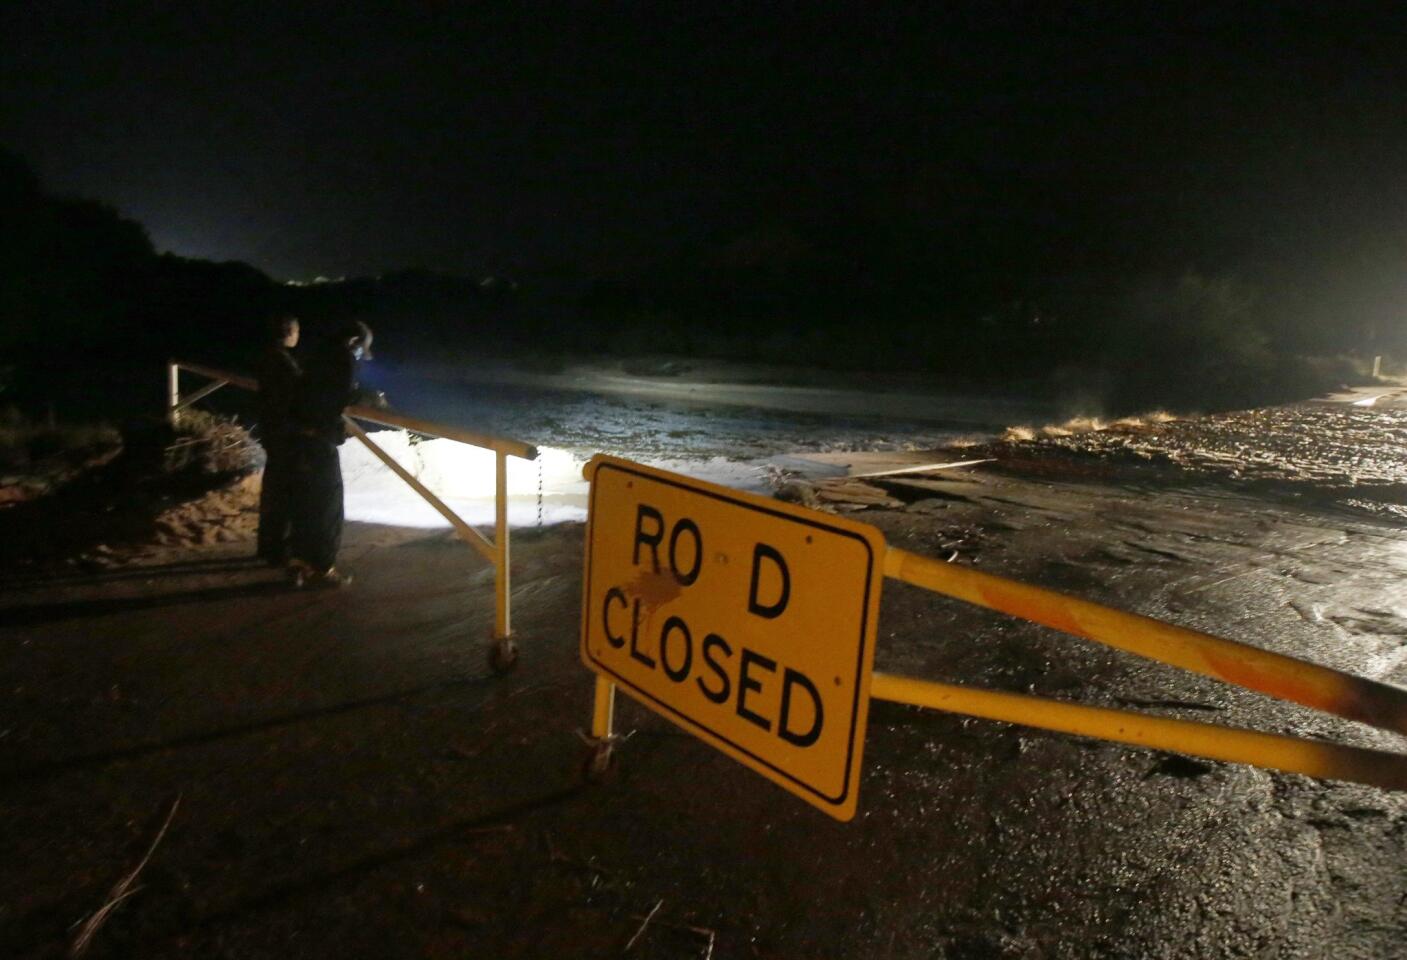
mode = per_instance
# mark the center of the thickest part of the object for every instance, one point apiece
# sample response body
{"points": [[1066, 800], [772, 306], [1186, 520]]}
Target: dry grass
{"points": [[89, 926], [212, 445]]}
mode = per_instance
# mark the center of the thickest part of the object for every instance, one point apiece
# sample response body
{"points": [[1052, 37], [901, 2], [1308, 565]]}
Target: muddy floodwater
{"points": [[704, 411], [354, 782]]}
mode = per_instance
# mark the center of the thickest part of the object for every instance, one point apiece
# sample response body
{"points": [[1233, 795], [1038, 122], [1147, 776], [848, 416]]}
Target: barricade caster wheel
{"points": [[503, 657]]}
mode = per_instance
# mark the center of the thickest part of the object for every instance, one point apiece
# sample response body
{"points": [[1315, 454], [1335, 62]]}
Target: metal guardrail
{"points": [[504, 653]]}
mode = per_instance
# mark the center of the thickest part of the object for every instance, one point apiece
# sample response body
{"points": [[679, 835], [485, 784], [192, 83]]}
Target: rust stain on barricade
{"points": [[1286, 688], [1355, 698], [1049, 612]]}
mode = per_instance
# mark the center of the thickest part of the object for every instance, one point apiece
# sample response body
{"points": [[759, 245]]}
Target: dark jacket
{"points": [[278, 384], [327, 387]]}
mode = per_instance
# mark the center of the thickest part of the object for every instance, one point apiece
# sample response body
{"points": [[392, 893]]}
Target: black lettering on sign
{"points": [[635, 637], [746, 683], [651, 540], [685, 524], [618, 594], [725, 686], [790, 680], [674, 624], [772, 610]]}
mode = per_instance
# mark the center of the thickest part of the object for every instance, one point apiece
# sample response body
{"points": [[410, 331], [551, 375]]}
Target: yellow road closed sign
{"points": [[747, 621]]}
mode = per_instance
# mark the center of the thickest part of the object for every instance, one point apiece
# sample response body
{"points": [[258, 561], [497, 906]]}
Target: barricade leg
{"points": [[603, 715], [505, 652]]}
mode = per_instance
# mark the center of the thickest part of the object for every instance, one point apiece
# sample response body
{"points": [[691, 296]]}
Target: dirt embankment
{"points": [[149, 491]]}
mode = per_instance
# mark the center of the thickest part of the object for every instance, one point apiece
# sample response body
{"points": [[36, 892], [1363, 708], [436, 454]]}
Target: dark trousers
{"points": [[275, 500], [316, 502]]}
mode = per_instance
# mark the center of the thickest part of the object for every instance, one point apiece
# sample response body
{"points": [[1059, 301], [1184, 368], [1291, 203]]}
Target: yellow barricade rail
{"points": [[1288, 678], [494, 551], [1281, 676]]}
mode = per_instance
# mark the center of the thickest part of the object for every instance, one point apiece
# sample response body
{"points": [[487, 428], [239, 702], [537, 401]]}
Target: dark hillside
{"points": [[91, 310]]}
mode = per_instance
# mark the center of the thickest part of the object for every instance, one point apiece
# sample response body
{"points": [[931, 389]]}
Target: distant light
{"points": [[316, 281]]}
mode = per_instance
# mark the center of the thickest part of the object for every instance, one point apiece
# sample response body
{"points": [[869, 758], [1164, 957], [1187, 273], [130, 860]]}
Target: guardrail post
{"points": [[173, 392], [505, 653]]}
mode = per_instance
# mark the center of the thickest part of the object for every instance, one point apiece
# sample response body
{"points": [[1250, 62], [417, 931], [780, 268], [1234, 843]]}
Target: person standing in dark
{"points": [[327, 387], [278, 379]]}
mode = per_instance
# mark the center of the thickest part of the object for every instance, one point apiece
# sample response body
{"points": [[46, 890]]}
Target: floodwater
{"points": [[728, 425], [718, 424], [721, 411]]}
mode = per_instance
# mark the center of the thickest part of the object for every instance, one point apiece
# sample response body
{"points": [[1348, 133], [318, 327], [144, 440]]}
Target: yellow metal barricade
{"points": [[1288, 678]]}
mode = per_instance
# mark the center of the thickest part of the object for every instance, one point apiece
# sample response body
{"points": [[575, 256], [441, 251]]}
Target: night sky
{"points": [[308, 140]]}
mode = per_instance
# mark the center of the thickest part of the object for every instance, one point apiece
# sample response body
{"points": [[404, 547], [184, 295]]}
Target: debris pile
{"points": [[223, 515], [1352, 453], [212, 446]]}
